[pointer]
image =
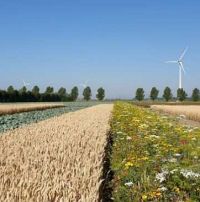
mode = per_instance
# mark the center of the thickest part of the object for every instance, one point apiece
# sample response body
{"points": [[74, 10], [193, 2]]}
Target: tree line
{"points": [[34, 95], [167, 94]]}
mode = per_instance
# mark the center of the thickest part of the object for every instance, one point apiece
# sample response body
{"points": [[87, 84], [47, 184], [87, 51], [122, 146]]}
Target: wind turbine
{"points": [[26, 84], [180, 64], [84, 85]]}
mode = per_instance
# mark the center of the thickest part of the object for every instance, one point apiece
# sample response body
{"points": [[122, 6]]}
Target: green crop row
{"points": [[8, 122], [153, 158]]}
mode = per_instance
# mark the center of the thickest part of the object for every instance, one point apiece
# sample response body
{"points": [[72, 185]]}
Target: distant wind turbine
{"points": [[26, 84], [84, 85], [180, 64]]}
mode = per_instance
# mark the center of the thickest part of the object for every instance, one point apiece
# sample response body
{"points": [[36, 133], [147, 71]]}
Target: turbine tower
{"points": [[180, 64]]}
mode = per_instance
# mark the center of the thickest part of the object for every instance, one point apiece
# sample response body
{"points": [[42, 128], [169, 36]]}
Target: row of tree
{"points": [[167, 94], [24, 95]]}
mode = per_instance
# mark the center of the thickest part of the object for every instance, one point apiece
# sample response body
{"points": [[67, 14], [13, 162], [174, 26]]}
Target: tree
{"points": [[139, 94], [35, 91], [49, 90], [11, 94], [74, 93], [3, 96], [196, 95], [23, 90], [154, 93], [100, 94], [87, 93], [167, 94], [181, 94], [34, 95], [10, 90], [62, 92]]}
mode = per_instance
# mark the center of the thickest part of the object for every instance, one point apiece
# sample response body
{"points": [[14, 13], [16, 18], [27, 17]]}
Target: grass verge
{"points": [[153, 158]]}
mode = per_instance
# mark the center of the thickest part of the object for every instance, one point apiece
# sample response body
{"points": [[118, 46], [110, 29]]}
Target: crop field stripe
{"points": [[17, 120], [19, 108], [190, 111], [59, 159]]}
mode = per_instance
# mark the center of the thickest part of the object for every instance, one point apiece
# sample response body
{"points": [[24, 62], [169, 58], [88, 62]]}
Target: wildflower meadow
{"points": [[153, 157]]}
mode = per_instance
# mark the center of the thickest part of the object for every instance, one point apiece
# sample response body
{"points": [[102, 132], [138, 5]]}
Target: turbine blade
{"points": [[183, 54], [173, 61], [181, 64]]}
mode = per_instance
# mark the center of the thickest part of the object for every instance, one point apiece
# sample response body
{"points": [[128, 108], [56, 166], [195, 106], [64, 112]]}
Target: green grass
{"points": [[153, 158]]}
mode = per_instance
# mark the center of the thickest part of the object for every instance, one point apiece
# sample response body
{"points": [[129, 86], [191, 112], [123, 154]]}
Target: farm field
{"points": [[190, 111], [16, 120], [25, 107], [153, 158], [149, 103], [59, 159]]}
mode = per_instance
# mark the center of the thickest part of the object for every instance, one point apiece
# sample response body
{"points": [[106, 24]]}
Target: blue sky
{"points": [[118, 44]]}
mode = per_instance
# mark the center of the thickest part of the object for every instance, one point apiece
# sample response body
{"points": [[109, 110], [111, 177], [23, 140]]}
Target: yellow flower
{"points": [[144, 197], [158, 194], [144, 158], [128, 164], [177, 189], [153, 194]]}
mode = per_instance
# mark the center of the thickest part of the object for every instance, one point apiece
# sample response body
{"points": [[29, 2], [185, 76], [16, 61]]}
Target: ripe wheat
{"points": [[191, 112], [60, 159], [17, 108]]}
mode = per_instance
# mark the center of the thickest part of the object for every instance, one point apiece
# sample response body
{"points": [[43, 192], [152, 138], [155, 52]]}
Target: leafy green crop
{"points": [[8, 122], [154, 158]]}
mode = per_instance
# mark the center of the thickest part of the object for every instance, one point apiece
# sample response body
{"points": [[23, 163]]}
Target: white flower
{"points": [[189, 174], [128, 138], [172, 160], [154, 136], [182, 116], [129, 184], [173, 171], [177, 155], [161, 177], [162, 189], [190, 130]]}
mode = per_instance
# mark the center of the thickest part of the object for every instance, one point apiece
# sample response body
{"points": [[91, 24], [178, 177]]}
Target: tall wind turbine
{"points": [[180, 64]]}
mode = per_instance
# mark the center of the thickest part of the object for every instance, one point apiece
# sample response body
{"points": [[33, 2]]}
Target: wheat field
{"points": [[60, 159], [190, 111], [25, 107]]}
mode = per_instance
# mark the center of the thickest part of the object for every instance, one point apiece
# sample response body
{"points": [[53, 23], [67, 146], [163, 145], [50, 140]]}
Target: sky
{"points": [[117, 44]]}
